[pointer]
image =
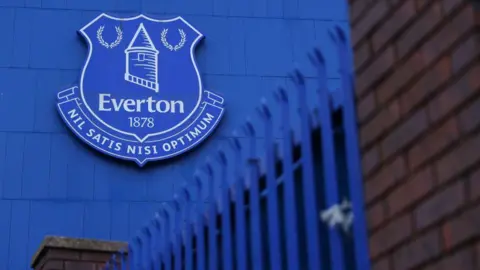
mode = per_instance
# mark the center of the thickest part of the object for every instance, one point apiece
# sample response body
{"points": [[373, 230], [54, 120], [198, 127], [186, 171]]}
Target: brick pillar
{"points": [[62, 253], [418, 102]]}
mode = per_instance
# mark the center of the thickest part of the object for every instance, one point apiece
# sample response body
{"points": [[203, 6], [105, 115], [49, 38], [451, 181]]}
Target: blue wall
{"points": [[51, 183]]}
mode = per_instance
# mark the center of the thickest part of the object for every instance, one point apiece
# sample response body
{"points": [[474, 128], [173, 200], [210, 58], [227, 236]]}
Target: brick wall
{"points": [[418, 88]]}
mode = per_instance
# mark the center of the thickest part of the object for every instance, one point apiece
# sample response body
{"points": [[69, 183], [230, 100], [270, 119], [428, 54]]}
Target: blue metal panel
{"points": [[20, 213]]}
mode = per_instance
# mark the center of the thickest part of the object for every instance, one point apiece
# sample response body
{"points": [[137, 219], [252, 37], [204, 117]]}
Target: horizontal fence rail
{"points": [[301, 210]]}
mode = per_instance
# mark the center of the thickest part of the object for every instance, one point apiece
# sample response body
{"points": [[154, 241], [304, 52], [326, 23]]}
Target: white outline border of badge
{"points": [[192, 56]]}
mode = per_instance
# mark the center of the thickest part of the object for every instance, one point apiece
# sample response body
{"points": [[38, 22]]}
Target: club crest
{"points": [[140, 95]]}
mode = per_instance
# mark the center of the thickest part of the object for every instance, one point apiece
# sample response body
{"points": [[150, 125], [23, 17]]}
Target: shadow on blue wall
{"points": [[51, 183]]}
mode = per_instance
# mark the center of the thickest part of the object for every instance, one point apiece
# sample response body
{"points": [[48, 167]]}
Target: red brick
{"points": [[411, 191], [466, 52], [80, 265], [404, 134], [469, 117], [433, 143], [370, 160], [420, 4], [366, 106], [448, 34], [385, 119], [95, 256], [53, 265], [477, 254], [402, 75], [383, 264], [440, 205], [449, 5], [375, 70], [463, 228], [463, 259], [455, 95], [62, 254], [393, 25], [387, 177], [357, 8], [459, 159], [419, 251], [426, 85], [474, 185], [374, 15], [391, 235], [375, 215], [362, 54], [419, 29]]}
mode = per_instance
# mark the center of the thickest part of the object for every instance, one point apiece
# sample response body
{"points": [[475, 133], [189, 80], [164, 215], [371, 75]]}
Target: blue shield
{"points": [[140, 95], [140, 77]]}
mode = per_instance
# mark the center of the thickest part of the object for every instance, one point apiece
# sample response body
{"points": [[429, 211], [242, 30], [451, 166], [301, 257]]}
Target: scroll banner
{"points": [[125, 147]]}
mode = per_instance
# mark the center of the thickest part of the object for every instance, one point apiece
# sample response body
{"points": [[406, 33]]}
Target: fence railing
{"points": [[303, 210]]}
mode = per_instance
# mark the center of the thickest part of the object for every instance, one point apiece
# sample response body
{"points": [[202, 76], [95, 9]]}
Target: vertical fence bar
{"points": [[240, 226], [188, 229], [147, 258], [114, 260], [308, 185], [353, 153], [178, 233], [157, 259], [226, 228], [200, 224], [289, 190], [131, 256], [255, 225], [139, 252], [123, 263], [166, 253], [330, 178], [212, 221], [272, 198]]}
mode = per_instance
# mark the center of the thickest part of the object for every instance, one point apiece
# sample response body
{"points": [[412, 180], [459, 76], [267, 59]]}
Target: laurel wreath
{"points": [[106, 44], [181, 43]]}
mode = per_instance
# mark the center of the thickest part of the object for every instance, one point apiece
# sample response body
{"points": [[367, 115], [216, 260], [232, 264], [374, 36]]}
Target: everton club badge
{"points": [[140, 95]]}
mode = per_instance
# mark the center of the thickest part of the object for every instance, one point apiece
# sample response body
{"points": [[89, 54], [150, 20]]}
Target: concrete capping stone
{"points": [[76, 244]]}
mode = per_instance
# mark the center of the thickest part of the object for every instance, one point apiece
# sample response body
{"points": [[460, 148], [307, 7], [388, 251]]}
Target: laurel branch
{"points": [[181, 43], [106, 44]]}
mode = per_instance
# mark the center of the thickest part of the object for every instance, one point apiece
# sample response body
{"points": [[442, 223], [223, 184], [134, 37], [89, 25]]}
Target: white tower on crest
{"points": [[141, 58]]}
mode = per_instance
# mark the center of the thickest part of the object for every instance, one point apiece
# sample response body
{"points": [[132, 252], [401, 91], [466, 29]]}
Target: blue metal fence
{"points": [[302, 211]]}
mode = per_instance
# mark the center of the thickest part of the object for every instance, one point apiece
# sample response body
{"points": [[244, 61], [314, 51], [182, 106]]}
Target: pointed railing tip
{"points": [[297, 77], [222, 157], [281, 95], [138, 240], [187, 192], [332, 36], [337, 35], [177, 201], [197, 180], [248, 127], [263, 110], [146, 230], [234, 142], [156, 220], [316, 57], [340, 34], [164, 211], [208, 168]]}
